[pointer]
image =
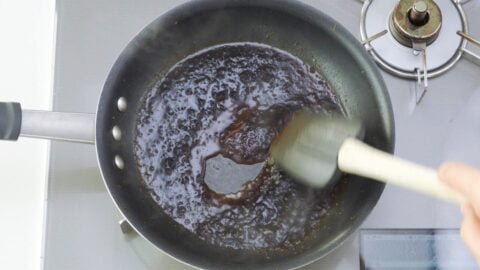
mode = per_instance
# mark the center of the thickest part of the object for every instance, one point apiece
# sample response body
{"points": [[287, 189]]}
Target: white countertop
{"points": [[27, 54]]}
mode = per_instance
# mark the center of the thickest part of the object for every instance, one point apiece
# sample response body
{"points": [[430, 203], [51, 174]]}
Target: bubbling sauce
{"points": [[231, 100]]}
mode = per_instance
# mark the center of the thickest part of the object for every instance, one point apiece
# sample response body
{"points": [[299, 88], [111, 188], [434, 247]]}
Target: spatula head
{"points": [[307, 148]]}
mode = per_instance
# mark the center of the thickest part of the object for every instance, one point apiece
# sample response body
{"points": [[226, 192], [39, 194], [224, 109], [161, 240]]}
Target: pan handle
{"points": [[72, 127], [362, 159]]}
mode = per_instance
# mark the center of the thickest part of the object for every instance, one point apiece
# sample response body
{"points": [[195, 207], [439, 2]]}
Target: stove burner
{"points": [[398, 34], [414, 23], [403, 50]]}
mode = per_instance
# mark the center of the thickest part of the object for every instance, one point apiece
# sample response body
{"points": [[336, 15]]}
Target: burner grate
{"points": [[417, 39]]}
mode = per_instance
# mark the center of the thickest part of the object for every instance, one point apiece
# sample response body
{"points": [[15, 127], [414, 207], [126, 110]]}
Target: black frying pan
{"points": [[290, 26]]}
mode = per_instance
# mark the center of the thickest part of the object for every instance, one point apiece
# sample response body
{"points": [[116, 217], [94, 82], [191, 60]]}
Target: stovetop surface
{"points": [[82, 229]]}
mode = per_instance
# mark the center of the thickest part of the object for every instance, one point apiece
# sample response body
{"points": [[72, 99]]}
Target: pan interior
{"points": [[232, 100]]}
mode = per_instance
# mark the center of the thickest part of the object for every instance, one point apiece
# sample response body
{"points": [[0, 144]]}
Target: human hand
{"points": [[466, 180]]}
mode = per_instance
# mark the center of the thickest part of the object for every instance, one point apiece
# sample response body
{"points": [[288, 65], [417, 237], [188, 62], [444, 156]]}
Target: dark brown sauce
{"points": [[231, 100]]}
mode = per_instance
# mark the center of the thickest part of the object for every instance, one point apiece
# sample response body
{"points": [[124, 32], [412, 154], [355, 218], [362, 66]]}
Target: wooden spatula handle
{"points": [[358, 158]]}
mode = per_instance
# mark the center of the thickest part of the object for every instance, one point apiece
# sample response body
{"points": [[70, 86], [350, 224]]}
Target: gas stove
{"points": [[82, 229]]}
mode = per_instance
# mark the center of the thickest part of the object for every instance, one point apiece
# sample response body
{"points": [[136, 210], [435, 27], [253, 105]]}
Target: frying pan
{"points": [[290, 26]]}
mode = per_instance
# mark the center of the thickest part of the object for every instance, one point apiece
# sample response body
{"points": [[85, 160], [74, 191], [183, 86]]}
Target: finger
{"points": [[464, 179], [470, 230]]}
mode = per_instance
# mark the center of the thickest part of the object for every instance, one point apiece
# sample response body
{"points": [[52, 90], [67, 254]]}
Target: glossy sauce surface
{"points": [[231, 100]]}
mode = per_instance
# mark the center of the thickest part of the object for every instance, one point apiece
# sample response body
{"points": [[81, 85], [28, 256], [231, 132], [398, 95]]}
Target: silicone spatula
{"points": [[314, 149]]}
